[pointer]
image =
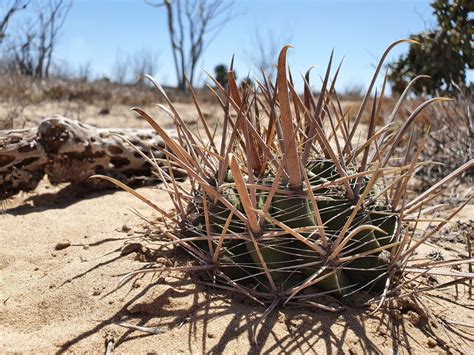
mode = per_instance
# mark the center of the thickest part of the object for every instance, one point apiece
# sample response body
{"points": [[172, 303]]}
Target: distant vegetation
{"points": [[29, 48], [444, 53], [221, 74], [31, 29]]}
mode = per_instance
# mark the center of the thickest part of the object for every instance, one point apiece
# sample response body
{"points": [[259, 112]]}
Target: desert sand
{"points": [[63, 255]]}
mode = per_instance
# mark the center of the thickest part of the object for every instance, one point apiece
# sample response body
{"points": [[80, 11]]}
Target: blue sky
{"points": [[357, 30]]}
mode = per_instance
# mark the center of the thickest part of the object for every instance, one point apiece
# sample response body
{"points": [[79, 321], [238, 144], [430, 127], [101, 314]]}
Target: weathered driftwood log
{"points": [[70, 151]]}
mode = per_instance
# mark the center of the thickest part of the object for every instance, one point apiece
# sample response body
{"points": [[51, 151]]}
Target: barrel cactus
{"points": [[290, 202], [290, 236]]}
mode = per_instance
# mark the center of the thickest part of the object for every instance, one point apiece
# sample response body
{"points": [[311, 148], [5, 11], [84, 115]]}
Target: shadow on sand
{"points": [[58, 199], [183, 303]]}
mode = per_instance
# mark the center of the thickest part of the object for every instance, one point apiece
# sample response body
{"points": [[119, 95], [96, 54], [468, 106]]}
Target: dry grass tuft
{"points": [[451, 143]]}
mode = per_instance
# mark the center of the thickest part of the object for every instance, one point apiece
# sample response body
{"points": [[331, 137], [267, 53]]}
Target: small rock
{"points": [[36, 269], [130, 248], [396, 314], [281, 317], [63, 244], [96, 292], [137, 283], [104, 111], [130, 233], [413, 317], [432, 342], [126, 228], [211, 335], [85, 247], [433, 323]]}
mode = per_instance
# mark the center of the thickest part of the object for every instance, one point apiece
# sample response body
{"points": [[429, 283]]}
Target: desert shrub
{"points": [[451, 142], [220, 73], [444, 53]]}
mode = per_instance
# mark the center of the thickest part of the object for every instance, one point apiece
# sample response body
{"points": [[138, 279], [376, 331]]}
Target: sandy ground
{"points": [[54, 301], [118, 116]]}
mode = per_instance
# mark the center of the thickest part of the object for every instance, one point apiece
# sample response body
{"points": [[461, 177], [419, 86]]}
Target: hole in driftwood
{"points": [[144, 136], [115, 150], [6, 159], [28, 161], [118, 162], [26, 148]]}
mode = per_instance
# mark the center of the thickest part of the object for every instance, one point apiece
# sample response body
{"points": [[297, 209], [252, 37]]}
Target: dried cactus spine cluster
{"points": [[287, 205], [290, 260]]}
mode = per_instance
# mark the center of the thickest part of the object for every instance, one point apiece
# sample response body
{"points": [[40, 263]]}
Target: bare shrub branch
{"points": [[192, 25], [264, 48], [36, 40], [10, 9]]}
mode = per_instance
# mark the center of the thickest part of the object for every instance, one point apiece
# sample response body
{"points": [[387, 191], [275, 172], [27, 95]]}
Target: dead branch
{"points": [[70, 151], [34, 46], [191, 25], [10, 10]]}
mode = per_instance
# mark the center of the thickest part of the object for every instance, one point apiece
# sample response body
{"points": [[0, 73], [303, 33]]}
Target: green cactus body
{"points": [[279, 252], [289, 260], [235, 260], [298, 212], [362, 242], [371, 269], [386, 221], [323, 168], [294, 211], [196, 227], [219, 213], [234, 257], [336, 282], [233, 251], [372, 278], [334, 214]]}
